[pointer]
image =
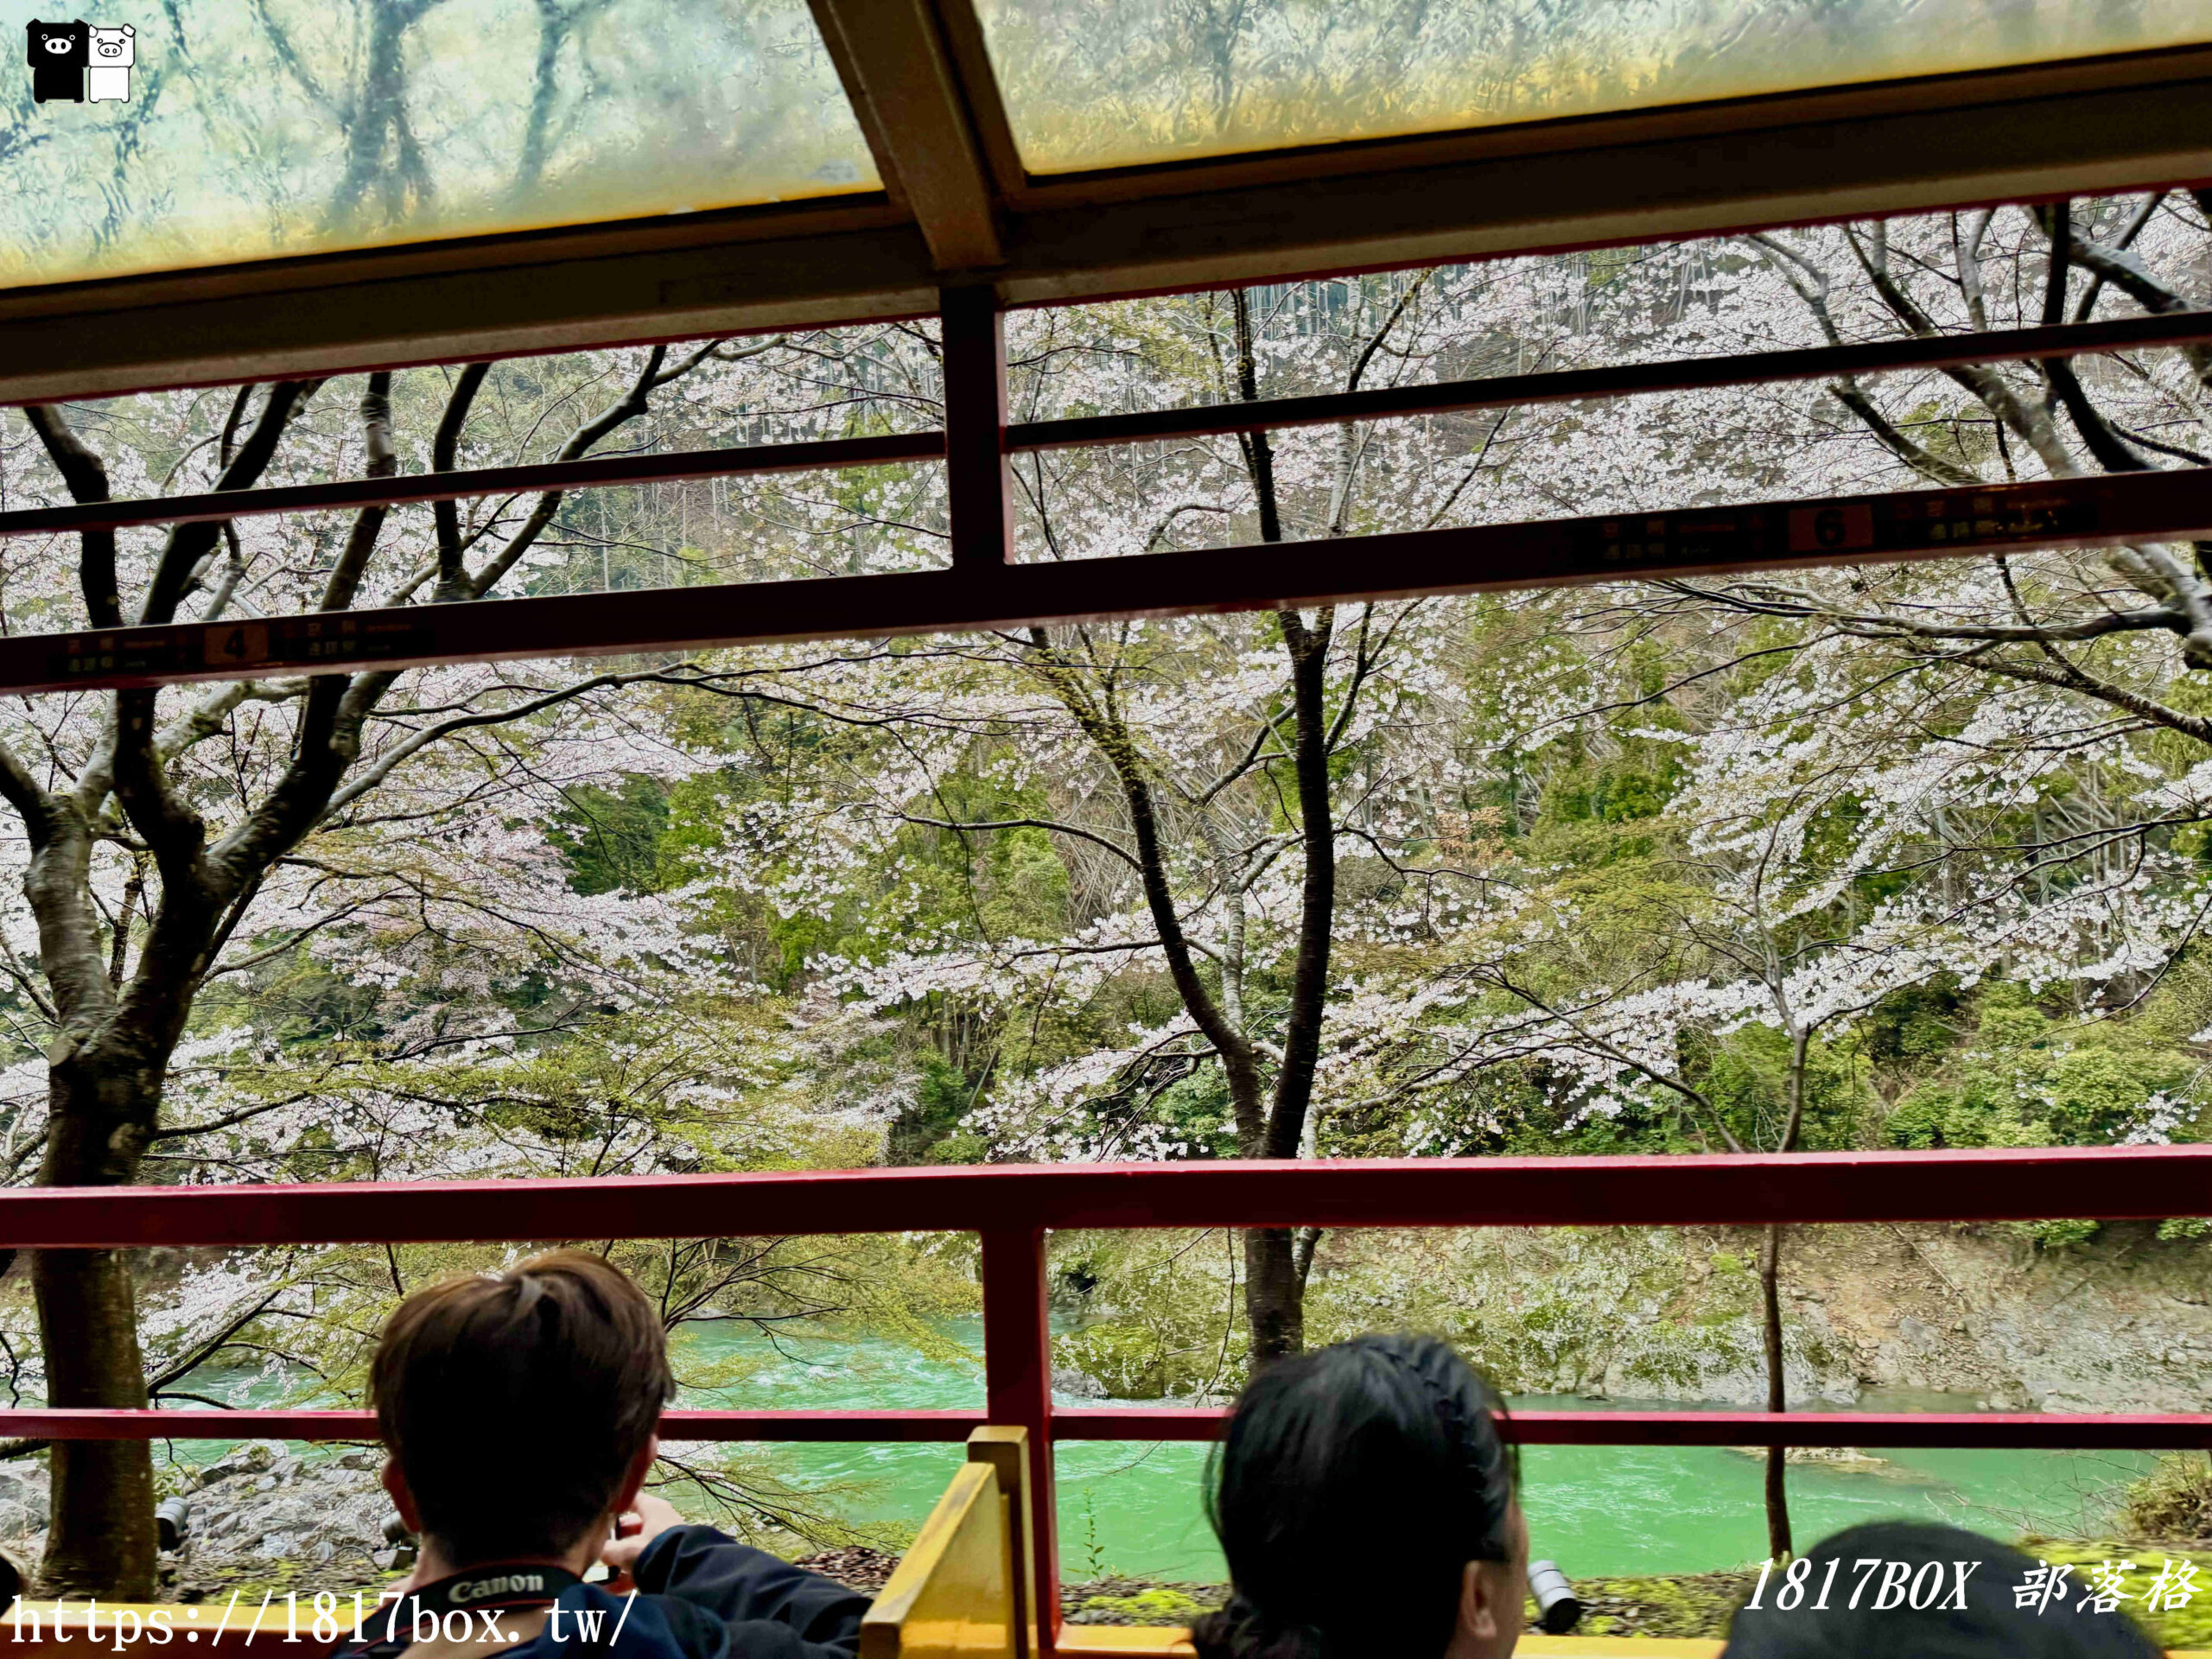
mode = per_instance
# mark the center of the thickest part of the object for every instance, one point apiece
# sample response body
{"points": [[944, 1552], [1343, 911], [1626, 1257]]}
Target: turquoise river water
{"points": [[1134, 1509]]}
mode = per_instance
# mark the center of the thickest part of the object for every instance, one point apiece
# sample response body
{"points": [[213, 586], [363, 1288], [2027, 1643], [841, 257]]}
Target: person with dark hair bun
{"points": [[1991, 1624], [1365, 1499]]}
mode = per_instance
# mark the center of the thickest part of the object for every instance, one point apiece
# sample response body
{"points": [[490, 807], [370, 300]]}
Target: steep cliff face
{"points": [[2121, 1322]]}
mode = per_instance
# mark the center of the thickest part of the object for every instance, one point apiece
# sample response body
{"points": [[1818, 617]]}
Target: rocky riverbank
{"points": [[262, 1517], [2015, 1318], [2120, 1322]]}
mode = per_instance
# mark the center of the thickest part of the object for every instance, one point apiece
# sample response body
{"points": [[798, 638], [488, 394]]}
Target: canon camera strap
{"points": [[420, 1615]]}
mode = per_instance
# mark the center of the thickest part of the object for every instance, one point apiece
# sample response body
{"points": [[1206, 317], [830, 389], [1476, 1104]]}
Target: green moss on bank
{"points": [[2184, 1627], [1693, 1605], [1139, 1601], [1667, 1604]]}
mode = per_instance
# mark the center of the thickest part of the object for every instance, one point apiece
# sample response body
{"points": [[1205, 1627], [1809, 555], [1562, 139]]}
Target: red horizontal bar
{"points": [[1993, 1183], [2059, 1431], [1620, 380], [820, 1426], [249, 1425], [2169, 506], [594, 472], [2055, 1431]]}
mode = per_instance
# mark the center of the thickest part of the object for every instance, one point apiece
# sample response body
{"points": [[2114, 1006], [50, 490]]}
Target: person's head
{"points": [[1914, 1610], [1364, 1497], [519, 1407]]}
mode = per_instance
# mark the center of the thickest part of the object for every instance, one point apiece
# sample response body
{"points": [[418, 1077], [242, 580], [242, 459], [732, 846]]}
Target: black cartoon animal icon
{"points": [[59, 54]]}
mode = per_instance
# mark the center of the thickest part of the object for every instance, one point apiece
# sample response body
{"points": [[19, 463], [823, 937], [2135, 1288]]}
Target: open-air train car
{"points": [[987, 169]]}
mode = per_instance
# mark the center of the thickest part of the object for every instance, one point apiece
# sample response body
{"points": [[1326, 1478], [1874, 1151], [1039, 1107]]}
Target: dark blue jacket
{"points": [[716, 1599], [701, 1595]]}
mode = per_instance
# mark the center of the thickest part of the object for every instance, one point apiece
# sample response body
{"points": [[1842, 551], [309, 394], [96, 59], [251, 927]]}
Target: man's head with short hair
{"points": [[519, 1407]]}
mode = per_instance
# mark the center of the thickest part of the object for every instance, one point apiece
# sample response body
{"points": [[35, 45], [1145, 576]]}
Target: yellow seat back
{"points": [[953, 1595]]}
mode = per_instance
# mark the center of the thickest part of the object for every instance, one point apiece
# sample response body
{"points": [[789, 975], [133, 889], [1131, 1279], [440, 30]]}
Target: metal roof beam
{"points": [[976, 388], [2174, 505], [1644, 177], [2107, 125], [899, 76], [564, 291]]}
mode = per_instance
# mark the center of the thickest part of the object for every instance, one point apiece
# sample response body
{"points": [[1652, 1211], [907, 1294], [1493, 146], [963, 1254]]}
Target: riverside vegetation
{"points": [[1906, 856]]}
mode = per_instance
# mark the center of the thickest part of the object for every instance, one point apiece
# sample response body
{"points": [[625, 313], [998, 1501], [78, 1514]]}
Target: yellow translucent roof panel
{"points": [[1109, 82], [199, 132]]}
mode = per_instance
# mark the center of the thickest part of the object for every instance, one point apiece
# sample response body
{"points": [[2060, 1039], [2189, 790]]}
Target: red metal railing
{"points": [[1013, 1208]]}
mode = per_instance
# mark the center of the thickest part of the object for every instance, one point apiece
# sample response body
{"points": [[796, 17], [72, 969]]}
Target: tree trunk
{"points": [[100, 1539], [1275, 1294], [101, 1536], [1308, 650], [1275, 1284], [1275, 1268], [1777, 1500], [114, 1036], [1777, 1397]]}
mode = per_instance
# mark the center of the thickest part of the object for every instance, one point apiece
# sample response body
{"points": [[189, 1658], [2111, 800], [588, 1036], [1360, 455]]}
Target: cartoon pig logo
{"points": [[59, 53], [107, 76]]}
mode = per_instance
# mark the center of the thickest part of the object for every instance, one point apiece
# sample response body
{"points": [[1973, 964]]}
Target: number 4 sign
{"points": [[237, 643]]}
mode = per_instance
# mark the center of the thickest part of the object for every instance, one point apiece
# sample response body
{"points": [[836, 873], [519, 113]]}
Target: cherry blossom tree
{"points": [[1802, 871], [2088, 629], [176, 842]]}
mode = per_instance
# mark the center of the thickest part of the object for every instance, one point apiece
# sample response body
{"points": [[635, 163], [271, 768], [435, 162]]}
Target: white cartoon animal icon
{"points": [[114, 50]]}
